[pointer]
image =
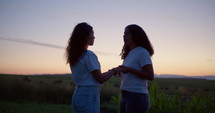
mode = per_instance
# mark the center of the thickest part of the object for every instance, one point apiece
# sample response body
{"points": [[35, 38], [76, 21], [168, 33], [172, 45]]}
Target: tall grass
{"points": [[35, 90], [163, 103], [11, 107], [58, 90]]}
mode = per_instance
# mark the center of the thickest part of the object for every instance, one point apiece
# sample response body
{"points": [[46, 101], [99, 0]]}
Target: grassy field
{"points": [[52, 94], [13, 107]]}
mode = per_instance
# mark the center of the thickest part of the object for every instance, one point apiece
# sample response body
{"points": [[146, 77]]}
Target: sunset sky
{"points": [[34, 33]]}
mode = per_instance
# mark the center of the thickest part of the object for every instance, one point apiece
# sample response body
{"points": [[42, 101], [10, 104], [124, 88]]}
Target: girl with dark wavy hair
{"points": [[136, 70], [86, 72]]}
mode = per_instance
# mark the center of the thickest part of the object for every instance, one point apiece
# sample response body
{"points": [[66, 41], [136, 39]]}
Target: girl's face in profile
{"points": [[127, 37], [91, 38]]}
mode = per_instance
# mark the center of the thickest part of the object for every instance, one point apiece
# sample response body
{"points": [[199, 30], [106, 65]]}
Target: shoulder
{"points": [[90, 53], [143, 53], [142, 50], [144, 57], [89, 56]]}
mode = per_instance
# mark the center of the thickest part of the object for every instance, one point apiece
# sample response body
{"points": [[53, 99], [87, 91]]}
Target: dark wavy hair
{"points": [[77, 42], [140, 39]]}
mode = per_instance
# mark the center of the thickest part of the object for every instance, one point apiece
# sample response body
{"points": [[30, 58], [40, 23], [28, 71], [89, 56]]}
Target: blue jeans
{"points": [[132, 102], [86, 99]]}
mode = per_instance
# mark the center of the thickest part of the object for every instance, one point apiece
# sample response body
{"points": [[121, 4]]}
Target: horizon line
{"points": [[70, 73]]}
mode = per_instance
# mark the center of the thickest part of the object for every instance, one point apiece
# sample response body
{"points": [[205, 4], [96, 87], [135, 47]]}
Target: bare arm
{"points": [[147, 71], [102, 77]]}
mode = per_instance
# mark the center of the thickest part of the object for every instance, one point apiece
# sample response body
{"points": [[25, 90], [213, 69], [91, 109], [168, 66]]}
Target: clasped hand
{"points": [[119, 69]]}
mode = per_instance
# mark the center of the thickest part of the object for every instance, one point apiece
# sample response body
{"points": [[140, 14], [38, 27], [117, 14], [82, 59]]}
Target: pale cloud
{"points": [[31, 42]]}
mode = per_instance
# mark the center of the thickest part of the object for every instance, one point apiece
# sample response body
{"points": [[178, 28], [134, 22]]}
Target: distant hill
{"points": [[207, 77]]}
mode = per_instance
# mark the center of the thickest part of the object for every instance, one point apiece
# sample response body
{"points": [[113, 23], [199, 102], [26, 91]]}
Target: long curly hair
{"points": [[77, 42], [140, 39]]}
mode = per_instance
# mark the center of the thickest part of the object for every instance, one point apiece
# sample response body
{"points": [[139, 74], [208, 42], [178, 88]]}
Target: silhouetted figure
{"points": [[86, 71], [136, 69]]}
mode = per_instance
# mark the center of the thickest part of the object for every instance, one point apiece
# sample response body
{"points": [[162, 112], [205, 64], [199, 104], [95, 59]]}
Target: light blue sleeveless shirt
{"points": [[137, 58], [81, 72]]}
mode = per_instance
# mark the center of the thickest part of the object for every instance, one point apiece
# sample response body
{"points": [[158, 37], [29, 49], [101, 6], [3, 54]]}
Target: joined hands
{"points": [[119, 69]]}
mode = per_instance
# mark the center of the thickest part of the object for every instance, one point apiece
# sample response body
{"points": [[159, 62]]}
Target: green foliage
{"points": [[116, 102], [162, 103], [20, 89], [10, 107], [52, 94]]}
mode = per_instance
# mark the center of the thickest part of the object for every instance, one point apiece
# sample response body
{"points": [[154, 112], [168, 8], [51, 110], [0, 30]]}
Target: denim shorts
{"points": [[86, 99], [132, 102]]}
